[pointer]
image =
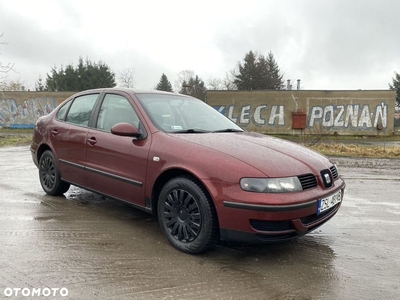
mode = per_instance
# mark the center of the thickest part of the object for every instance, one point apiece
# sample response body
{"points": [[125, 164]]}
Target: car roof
{"points": [[130, 90]]}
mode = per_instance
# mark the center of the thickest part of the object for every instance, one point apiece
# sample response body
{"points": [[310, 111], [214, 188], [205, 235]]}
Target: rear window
{"points": [[81, 109], [62, 112]]}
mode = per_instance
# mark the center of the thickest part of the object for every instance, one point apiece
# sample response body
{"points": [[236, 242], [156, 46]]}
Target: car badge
{"points": [[327, 178]]}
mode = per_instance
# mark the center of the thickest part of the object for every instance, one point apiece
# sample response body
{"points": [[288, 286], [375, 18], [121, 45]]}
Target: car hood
{"points": [[272, 156]]}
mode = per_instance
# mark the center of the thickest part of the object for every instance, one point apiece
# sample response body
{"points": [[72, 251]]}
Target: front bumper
{"points": [[274, 231], [258, 223]]}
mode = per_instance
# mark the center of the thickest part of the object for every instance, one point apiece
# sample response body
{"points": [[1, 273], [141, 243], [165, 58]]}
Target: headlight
{"points": [[271, 185]]}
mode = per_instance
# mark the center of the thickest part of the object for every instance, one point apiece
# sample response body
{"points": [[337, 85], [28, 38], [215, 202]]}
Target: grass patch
{"points": [[17, 140], [352, 150], [350, 146], [337, 138], [15, 137]]}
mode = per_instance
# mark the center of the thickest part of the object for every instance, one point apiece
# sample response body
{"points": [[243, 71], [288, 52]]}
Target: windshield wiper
{"points": [[198, 130], [191, 130], [228, 130]]}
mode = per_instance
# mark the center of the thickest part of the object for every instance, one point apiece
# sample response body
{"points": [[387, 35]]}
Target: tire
{"points": [[50, 176], [187, 216]]}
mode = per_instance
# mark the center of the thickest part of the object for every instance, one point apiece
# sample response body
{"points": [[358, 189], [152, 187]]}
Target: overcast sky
{"points": [[328, 44]]}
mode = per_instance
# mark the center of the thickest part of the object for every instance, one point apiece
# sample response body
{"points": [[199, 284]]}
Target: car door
{"points": [[116, 165], [68, 137]]}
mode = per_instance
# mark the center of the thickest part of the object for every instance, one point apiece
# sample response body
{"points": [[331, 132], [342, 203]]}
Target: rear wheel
{"points": [[187, 215], [49, 175]]}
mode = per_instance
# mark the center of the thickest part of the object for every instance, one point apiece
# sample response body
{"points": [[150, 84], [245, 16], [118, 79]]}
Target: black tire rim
{"points": [[182, 217], [48, 173]]}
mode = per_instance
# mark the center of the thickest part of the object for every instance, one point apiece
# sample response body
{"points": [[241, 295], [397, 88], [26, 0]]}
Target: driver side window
{"points": [[116, 109]]}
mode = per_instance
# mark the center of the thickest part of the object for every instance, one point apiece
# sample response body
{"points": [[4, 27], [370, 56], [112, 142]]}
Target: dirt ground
{"points": [[91, 247]]}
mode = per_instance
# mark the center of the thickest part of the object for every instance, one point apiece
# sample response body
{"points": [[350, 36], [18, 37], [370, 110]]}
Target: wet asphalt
{"points": [[84, 246]]}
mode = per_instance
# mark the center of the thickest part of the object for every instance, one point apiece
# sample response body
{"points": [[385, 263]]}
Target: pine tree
{"points": [[164, 84], [86, 75], [245, 79], [257, 73], [275, 79], [39, 86], [194, 87]]}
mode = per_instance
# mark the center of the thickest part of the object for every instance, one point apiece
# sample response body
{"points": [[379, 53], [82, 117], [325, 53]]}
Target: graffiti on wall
{"points": [[24, 115], [357, 116], [353, 115], [261, 115]]}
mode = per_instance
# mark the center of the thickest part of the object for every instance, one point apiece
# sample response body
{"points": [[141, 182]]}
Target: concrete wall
{"points": [[22, 109], [309, 112], [326, 112]]}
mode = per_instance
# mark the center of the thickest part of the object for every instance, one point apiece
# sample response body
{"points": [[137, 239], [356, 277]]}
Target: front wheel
{"points": [[187, 216], [49, 175]]}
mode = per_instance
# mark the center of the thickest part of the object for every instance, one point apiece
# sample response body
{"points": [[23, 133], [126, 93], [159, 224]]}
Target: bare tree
{"points": [[127, 77], [183, 77], [4, 69], [214, 84], [11, 85], [228, 81]]}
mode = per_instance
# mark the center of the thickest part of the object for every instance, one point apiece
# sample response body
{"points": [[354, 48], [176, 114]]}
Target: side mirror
{"points": [[126, 129]]}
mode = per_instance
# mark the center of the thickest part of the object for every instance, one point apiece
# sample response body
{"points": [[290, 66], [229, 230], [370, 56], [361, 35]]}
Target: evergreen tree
{"points": [[194, 87], [53, 81], [39, 86], [396, 86], [164, 84], [258, 73], [86, 75], [245, 79], [275, 79]]}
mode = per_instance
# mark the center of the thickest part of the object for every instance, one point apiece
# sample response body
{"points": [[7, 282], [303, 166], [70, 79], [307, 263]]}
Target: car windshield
{"points": [[182, 114]]}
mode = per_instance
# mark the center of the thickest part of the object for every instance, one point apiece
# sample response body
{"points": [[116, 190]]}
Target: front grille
{"points": [[334, 172], [262, 225], [308, 181]]}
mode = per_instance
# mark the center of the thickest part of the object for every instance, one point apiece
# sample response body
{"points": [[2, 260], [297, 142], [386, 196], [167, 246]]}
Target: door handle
{"points": [[92, 141]]}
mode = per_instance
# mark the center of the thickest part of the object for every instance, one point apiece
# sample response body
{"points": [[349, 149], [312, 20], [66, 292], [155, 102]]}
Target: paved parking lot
{"points": [[92, 247]]}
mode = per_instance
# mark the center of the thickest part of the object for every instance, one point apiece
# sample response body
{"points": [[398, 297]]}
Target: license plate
{"points": [[328, 202]]}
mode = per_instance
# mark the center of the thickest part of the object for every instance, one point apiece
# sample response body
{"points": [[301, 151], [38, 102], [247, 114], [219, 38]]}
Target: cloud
{"points": [[327, 44]]}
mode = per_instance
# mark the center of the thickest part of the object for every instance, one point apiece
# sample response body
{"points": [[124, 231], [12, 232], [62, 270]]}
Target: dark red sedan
{"points": [[177, 157]]}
